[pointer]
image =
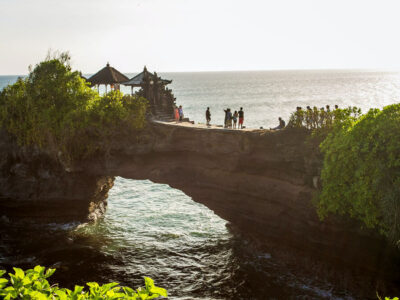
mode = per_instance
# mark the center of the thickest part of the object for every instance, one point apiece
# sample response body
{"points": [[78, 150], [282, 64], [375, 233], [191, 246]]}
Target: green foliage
{"points": [[55, 109], [320, 119], [361, 170], [33, 284]]}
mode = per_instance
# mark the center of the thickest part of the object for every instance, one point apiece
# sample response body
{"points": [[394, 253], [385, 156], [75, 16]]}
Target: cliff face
{"points": [[34, 184], [260, 181]]}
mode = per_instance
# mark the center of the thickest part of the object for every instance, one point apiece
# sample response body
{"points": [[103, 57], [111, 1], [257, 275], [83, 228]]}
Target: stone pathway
{"points": [[202, 126]]}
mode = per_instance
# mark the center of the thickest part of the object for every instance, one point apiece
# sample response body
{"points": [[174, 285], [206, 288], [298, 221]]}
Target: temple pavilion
{"points": [[153, 88], [108, 76], [140, 79]]}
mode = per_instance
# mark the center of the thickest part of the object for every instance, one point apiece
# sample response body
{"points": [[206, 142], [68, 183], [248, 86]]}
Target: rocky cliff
{"points": [[262, 182], [35, 184]]}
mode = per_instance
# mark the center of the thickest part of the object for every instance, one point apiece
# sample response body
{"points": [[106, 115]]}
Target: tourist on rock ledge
{"points": [[281, 125], [241, 118], [176, 114], [228, 118], [180, 113], [235, 117], [208, 116]]}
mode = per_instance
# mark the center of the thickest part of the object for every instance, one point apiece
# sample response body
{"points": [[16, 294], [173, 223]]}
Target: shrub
{"points": [[56, 110], [361, 170], [33, 284]]}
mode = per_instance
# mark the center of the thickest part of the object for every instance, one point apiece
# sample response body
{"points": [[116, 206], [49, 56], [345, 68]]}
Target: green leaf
{"points": [[26, 281], [78, 289], [61, 294], [92, 284], [108, 286], [148, 282], [3, 282], [159, 291], [2, 272], [19, 273], [39, 269], [49, 272]]}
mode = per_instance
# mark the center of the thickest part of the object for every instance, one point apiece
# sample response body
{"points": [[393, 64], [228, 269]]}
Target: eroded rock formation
{"points": [[34, 184], [262, 182]]}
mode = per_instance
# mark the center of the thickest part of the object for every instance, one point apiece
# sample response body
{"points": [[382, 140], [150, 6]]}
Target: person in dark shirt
{"points": [[241, 118], [281, 125], [208, 116], [226, 117]]}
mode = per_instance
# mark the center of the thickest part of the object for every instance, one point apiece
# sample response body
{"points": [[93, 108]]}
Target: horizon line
{"points": [[254, 70]]}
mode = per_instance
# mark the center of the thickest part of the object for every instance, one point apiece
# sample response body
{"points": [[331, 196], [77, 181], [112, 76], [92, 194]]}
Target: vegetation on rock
{"points": [[361, 170], [321, 120], [33, 284], [55, 109], [361, 164]]}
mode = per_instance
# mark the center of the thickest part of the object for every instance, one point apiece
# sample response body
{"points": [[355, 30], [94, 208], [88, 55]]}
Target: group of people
{"points": [[178, 113], [312, 118], [309, 118], [231, 119]]}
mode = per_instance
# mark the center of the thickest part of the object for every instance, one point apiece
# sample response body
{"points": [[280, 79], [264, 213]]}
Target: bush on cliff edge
{"points": [[55, 109], [361, 170]]}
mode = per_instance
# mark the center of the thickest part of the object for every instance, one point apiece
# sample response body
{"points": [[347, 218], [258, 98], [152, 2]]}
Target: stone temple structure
{"points": [[153, 88]]}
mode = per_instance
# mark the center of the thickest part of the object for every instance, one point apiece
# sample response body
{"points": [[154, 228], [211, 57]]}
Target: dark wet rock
{"points": [[262, 182], [34, 184]]}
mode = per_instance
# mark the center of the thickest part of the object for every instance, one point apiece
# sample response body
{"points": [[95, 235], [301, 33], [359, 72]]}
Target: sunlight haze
{"points": [[182, 35]]}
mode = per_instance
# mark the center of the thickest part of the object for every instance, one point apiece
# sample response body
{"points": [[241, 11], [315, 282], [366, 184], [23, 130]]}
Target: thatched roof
{"points": [[107, 75], [138, 79]]}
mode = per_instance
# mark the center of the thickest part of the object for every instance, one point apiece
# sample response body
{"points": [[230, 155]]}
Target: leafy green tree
{"points": [[55, 109], [361, 170]]}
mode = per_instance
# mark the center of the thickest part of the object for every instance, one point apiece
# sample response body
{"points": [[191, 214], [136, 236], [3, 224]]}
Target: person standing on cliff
{"points": [[226, 117], [180, 113], [208, 116], [241, 118], [176, 114], [235, 117]]}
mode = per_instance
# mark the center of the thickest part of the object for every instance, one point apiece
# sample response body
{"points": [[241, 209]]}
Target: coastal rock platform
{"points": [[261, 181]]}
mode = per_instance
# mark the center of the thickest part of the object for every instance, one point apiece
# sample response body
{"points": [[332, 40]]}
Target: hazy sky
{"points": [[188, 35]]}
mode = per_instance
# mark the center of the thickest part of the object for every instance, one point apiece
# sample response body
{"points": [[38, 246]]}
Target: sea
{"points": [[154, 230]]}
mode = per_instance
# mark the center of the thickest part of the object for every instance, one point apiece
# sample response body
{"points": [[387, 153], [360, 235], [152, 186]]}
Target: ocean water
{"points": [[153, 230]]}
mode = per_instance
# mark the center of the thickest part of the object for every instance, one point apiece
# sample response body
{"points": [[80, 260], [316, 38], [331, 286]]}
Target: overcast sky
{"points": [[202, 35]]}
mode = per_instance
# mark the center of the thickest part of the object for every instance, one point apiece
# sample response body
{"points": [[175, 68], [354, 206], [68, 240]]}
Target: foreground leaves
{"points": [[33, 284]]}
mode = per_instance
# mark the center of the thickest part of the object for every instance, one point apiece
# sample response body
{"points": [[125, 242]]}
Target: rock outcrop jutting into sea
{"points": [[261, 181]]}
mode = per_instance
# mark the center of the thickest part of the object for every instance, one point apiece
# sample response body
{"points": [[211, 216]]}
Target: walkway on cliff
{"points": [[204, 126]]}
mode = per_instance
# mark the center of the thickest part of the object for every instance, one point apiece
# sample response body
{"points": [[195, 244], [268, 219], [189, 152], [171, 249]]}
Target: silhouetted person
{"points": [[180, 113], [208, 116], [309, 117], [322, 117], [241, 117], [281, 125], [226, 117], [176, 114], [300, 117], [327, 108], [234, 118]]}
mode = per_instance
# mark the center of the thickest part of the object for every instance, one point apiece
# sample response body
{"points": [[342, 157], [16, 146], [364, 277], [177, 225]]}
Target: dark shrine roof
{"points": [[107, 75], [138, 79]]}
